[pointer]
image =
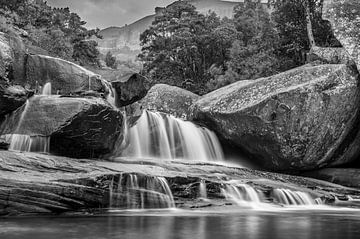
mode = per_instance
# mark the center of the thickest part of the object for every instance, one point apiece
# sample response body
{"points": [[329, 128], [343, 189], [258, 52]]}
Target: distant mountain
{"points": [[124, 43]]}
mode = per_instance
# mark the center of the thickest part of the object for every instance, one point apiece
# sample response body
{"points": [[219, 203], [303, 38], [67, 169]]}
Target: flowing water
{"points": [[202, 189], [288, 197], [157, 135], [28, 143], [131, 191], [46, 89]]}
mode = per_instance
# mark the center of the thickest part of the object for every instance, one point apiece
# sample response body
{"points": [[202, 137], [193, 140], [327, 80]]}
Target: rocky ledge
{"points": [[41, 184]]}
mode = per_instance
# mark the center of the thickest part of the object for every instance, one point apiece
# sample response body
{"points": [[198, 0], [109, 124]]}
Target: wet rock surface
{"points": [[64, 76], [11, 98], [349, 177], [78, 127], [170, 100], [298, 120], [130, 88], [37, 183]]}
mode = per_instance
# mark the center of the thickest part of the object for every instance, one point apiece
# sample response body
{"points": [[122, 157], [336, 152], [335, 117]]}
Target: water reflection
{"points": [[202, 226]]}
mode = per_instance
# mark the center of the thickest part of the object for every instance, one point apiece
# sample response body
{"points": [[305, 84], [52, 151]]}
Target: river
{"points": [[319, 224]]}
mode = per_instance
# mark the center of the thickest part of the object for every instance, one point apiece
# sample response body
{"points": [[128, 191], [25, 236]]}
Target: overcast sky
{"points": [[105, 13]]}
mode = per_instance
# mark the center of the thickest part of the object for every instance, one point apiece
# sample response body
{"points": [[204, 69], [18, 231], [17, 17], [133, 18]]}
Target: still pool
{"points": [[179, 224]]}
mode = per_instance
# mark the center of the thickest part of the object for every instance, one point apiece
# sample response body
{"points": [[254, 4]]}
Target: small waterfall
{"points": [[46, 89], [202, 189], [132, 191], [157, 135], [288, 197], [26, 143], [112, 95], [240, 193]]}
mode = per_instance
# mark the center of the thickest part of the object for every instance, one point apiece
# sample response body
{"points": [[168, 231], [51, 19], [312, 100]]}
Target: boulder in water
{"points": [[77, 127], [130, 89], [170, 100], [301, 119], [66, 78], [344, 18]]}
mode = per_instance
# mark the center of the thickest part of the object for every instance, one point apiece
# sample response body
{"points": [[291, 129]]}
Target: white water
{"points": [[140, 192], [163, 136], [46, 89], [26, 143], [202, 189], [288, 197], [240, 194]]}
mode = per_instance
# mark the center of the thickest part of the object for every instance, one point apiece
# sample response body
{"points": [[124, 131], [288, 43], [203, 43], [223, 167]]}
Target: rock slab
{"points": [[298, 120]]}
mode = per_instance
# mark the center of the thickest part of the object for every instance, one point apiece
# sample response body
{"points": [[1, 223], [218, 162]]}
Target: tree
{"points": [[253, 53], [182, 44], [110, 60], [294, 21]]}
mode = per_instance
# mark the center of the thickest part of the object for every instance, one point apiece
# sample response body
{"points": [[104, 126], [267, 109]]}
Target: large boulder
{"points": [[65, 77], [297, 120], [12, 57], [170, 100], [344, 18], [77, 127], [130, 88]]}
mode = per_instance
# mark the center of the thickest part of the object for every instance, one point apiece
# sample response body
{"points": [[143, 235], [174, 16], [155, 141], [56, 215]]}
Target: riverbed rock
{"points": [[66, 78], [44, 184], [301, 119], [130, 88], [344, 18], [77, 127], [170, 100]]}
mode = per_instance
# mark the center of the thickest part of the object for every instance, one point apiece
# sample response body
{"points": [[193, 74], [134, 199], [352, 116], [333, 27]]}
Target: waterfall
{"points": [[288, 197], [27, 143], [157, 135], [132, 191], [202, 189], [240, 193], [46, 89]]}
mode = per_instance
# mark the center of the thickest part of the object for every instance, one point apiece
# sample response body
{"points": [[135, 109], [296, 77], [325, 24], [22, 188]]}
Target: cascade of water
{"points": [[164, 136], [46, 89], [202, 189], [288, 197], [112, 95], [28, 143], [131, 191], [240, 193]]}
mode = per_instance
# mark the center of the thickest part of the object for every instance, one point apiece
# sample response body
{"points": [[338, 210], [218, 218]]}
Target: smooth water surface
{"points": [[179, 224]]}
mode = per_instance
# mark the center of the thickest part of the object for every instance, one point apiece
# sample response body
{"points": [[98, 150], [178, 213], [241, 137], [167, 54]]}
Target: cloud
{"points": [[105, 13]]}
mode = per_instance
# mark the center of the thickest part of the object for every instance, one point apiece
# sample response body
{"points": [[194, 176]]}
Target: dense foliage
{"points": [[203, 52], [57, 30]]}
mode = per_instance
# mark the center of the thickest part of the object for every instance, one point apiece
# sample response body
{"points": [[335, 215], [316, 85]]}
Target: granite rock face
{"points": [[298, 120], [77, 127], [170, 100], [130, 89], [65, 77], [345, 21]]}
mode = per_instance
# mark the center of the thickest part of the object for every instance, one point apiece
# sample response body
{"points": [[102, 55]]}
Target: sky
{"points": [[106, 13]]}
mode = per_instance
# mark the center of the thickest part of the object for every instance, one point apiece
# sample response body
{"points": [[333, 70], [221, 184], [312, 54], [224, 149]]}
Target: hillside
{"points": [[123, 42]]}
